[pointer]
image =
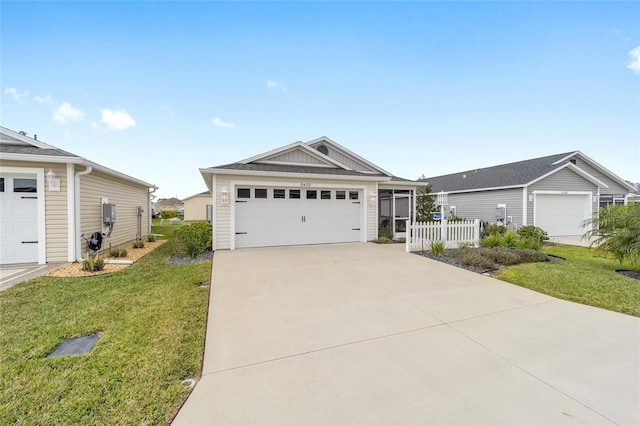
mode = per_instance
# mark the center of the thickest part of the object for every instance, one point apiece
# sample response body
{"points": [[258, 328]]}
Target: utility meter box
{"points": [[501, 213], [140, 211], [108, 214]]}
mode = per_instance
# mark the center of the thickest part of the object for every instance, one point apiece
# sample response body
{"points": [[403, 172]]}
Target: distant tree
{"points": [[425, 202], [616, 230]]}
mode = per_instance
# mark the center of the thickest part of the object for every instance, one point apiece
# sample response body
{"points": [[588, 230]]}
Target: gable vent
{"points": [[572, 161], [323, 149]]}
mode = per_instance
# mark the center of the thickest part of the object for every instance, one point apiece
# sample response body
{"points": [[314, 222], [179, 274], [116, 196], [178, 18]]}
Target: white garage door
{"points": [[18, 219], [562, 214], [291, 216]]}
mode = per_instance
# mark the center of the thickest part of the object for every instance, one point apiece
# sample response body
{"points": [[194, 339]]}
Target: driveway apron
{"points": [[368, 334]]}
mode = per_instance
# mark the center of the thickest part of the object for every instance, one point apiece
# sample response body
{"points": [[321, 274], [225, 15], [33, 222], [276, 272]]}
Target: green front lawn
{"points": [[151, 317], [584, 277]]}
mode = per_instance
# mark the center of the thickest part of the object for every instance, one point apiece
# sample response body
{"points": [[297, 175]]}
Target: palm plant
{"points": [[616, 230]]}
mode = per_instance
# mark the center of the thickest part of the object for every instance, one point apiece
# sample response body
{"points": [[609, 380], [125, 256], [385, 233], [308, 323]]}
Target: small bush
{"points": [[193, 239], [475, 259], [494, 240], [151, 238], [494, 229], [529, 243], [501, 255], [510, 239], [383, 240], [169, 214], [138, 244], [529, 256], [533, 232], [437, 247], [118, 252], [92, 263], [385, 232]]}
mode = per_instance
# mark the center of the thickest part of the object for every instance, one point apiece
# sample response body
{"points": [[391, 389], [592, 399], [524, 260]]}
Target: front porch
{"points": [[395, 207]]}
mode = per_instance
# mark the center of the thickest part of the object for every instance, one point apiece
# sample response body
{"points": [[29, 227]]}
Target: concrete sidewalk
{"points": [[368, 334]]}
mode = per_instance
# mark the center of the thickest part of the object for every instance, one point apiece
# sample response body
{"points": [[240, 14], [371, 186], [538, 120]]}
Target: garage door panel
{"points": [[294, 221], [562, 214], [18, 223]]}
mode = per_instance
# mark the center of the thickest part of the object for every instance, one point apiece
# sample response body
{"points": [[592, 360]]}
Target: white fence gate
{"points": [[421, 234]]}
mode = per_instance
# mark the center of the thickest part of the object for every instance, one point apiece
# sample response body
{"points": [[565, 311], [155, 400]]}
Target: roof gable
{"points": [[345, 156], [295, 154]]}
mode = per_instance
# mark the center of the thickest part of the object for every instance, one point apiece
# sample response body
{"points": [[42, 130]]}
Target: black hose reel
{"points": [[94, 242]]}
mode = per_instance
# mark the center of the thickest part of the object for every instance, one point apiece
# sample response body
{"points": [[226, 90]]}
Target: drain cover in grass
{"points": [[75, 346]]}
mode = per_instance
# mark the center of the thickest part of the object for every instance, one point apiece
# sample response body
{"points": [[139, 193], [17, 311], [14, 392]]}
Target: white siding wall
{"points": [[55, 209], [222, 226], [125, 195], [482, 204], [563, 180]]}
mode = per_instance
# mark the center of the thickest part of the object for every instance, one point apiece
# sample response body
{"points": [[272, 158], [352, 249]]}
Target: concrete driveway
{"points": [[368, 334]]}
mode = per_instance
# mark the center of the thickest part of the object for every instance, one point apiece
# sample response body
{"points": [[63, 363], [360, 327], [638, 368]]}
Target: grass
{"points": [[151, 317], [585, 277]]}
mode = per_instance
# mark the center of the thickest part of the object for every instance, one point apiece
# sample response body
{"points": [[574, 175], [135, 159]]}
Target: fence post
{"points": [[407, 240], [443, 232], [476, 232]]}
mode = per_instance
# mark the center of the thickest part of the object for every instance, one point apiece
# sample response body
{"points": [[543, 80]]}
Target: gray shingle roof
{"points": [[32, 150], [511, 174], [294, 169]]}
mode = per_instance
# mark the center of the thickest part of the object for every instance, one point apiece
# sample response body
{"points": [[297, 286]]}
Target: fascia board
{"points": [[390, 184], [232, 172], [577, 170], [348, 153], [41, 158], [26, 139], [494, 188], [600, 167]]}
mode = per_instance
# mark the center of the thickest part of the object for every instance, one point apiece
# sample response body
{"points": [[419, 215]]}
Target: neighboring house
{"points": [[556, 193], [195, 206], [50, 197], [306, 193], [169, 204]]}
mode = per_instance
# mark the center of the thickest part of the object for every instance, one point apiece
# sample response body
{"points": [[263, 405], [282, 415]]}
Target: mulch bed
{"points": [[450, 260], [630, 274]]}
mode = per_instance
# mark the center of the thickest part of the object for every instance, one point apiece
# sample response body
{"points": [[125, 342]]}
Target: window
{"points": [[323, 149], [1, 184], [325, 195], [340, 195], [278, 193], [244, 193], [24, 185], [312, 194], [294, 193], [353, 195], [260, 193]]}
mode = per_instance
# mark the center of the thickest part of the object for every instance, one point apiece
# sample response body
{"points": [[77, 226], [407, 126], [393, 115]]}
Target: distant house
{"points": [[50, 197], [195, 206], [556, 193], [306, 193], [169, 204]]}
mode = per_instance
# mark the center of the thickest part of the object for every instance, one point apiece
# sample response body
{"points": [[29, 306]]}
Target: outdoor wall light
{"points": [[224, 195], [54, 184], [372, 197]]}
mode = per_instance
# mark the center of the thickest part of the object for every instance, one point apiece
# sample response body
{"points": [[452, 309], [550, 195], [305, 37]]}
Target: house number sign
{"points": [[305, 184]]}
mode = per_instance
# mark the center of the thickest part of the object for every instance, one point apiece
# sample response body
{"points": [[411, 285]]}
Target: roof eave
{"points": [[236, 172]]}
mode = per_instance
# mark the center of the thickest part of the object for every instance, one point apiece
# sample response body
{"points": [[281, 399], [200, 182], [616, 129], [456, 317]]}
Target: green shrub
{"points": [[501, 255], [193, 239], [510, 239], [533, 232], [437, 248], [92, 263], [385, 232], [529, 243], [169, 214], [475, 259], [494, 229], [151, 238], [138, 244], [494, 240], [384, 240], [118, 252], [529, 256], [456, 219]]}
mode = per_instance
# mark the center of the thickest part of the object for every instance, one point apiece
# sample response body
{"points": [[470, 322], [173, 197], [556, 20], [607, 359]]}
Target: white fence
{"points": [[421, 234]]}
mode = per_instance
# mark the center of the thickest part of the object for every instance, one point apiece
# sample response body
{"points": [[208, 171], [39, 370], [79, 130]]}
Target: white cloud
{"points": [[117, 120], [634, 64], [47, 99], [17, 96], [275, 85], [219, 123], [66, 113]]}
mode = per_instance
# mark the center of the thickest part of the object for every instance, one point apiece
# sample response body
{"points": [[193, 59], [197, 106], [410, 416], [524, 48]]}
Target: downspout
{"points": [[151, 197], [77, 209]]}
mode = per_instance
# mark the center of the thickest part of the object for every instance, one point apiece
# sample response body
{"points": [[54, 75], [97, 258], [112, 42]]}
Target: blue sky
{"points": [[158, 90]]}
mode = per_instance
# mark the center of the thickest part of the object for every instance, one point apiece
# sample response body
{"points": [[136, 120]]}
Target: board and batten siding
{"points": [[562, 180], [222, 226], [127, 196], [296, 156], [195, 208], [55, 204], [614, 188], [482, 204]]}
